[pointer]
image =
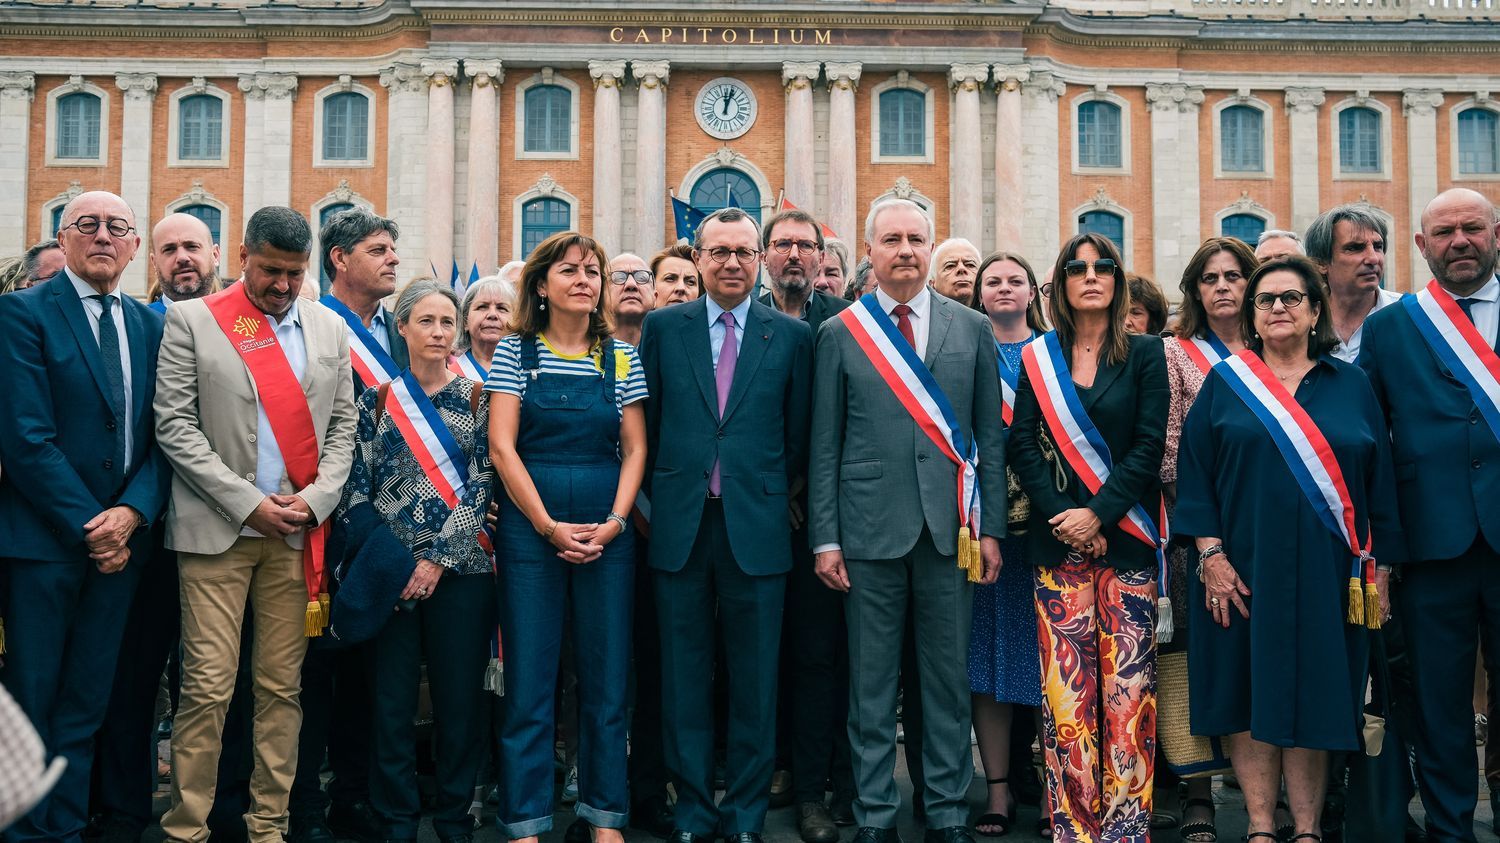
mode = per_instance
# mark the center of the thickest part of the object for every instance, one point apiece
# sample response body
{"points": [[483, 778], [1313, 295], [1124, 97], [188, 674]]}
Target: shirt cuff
{"points": [[824, 548]]}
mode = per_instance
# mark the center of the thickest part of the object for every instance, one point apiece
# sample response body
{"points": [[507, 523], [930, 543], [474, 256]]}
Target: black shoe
{"points": [[841, 808], [233, 830], [871, 834], [119, 830], [306, 828], [680, 836], [815, 824], [355, 821], [743, 837], [951, 834], [654, 816], [578, 832]]}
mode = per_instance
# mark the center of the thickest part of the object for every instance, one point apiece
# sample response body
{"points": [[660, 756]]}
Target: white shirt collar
{"points": [[741, 311], [85, 291], [294, 315], [920, 304], [1490, 292]]}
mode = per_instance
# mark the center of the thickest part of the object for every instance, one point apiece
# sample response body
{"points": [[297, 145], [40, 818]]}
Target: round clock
{"points": [[725, 108]]}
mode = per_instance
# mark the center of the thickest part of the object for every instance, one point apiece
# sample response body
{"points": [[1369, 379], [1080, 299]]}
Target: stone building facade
{"points": [[482, 126]]}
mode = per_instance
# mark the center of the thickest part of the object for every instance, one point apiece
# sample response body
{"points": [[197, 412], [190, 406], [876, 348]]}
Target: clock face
{"points": [[725, 108]]}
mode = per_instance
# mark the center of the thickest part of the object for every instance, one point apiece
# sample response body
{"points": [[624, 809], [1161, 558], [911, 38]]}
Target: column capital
{"points": [[485, 72], [842, 75], [15, 85], [607, 73], [1304, 100], [796, 75], [137, 86], [968, 77], [439, 72], [1010, 77], [1421, 102], [1174, 96], [268, 86], [651, 74], [403, 78], [1043, 83]]}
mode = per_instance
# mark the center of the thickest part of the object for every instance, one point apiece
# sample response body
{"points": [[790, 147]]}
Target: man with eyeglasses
{"points": [[1348, 243], [955, 265], [632, 295], [726, 427], [83, 481], [814, 668]]}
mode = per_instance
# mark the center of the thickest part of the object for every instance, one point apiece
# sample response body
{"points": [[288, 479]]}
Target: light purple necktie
{"points": [[729, 353]]}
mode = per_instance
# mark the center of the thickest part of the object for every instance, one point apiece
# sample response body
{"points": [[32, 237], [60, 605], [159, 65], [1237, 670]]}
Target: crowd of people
{"points": [[716, 532]]}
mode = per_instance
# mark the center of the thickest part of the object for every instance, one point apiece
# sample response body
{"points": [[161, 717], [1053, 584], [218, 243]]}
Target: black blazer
{"points": [[761, 441], [820, 307], [1128, 404]]}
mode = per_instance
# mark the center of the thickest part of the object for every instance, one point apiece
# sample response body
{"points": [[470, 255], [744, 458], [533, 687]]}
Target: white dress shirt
{"points": [[270, 466], [741, 312], [1486, 309], [94, 309], [921, 310], [1348, 351]]}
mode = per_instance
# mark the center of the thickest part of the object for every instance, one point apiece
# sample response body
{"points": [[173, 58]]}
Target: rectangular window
{"points": [[346, 127], [1099, 143], [200, 127], [903, 123], [1359, 140], [1479, 141], [1241, 133], [78, 126], [549, 119]]}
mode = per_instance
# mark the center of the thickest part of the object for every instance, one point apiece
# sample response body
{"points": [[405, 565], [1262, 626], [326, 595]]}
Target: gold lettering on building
{"points": [[756, 36]]}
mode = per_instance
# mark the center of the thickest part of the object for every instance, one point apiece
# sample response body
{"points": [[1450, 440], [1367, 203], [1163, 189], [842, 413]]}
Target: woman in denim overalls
{"points": [[568, 441]]}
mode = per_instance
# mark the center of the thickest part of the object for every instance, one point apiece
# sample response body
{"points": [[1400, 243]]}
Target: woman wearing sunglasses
{"points": [[1086, 444], [1287, 489]]}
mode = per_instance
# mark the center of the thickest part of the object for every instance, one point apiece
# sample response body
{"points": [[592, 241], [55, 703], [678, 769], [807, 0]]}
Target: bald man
{"points": [[184, 261], [1445, 442], [83, 480]]}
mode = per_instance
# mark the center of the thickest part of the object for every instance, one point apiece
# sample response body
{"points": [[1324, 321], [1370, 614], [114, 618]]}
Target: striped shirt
{"points": [[507, 378]]}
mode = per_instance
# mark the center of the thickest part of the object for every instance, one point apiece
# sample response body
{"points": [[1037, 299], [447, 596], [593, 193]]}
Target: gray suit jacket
{"points": [[875, 479]]}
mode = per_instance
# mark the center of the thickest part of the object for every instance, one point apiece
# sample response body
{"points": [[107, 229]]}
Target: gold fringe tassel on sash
{"points": [[1372, 606], [1356, 602], [312, 622], [970, 560], [494, 677]]}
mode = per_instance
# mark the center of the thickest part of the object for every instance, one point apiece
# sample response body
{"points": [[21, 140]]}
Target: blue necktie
{"points": [[1468, 306], [114, 374]]}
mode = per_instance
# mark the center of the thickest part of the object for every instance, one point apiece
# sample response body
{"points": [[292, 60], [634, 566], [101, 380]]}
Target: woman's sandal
{"points": [[1198, 832], [1002, 821], [1287, 829]]}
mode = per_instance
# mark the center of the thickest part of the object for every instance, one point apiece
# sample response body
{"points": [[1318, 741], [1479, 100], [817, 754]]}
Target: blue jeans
{"points": [[535, 586]]}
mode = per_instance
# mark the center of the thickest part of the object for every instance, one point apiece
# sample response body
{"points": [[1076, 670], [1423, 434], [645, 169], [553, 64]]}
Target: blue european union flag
{"points": [[686, 218]]}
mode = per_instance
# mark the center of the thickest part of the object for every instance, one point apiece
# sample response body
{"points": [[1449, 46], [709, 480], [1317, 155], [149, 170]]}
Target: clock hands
{"points": [[726, 100]]}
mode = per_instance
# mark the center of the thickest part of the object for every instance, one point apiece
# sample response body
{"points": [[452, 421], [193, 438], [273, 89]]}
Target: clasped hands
{"points": [[280, 516], [582, 543], [1079, 528], [106, 535]]}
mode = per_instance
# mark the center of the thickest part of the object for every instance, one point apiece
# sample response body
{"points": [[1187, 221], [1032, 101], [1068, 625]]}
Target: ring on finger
{"points": [[1214, 602]]}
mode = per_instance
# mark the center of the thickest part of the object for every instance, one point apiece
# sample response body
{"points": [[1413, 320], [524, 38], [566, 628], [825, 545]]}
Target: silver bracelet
{"points": [[618, 519]]}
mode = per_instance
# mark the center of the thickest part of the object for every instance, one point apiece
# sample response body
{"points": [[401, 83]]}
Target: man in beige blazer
{"points": [[239, 524]]}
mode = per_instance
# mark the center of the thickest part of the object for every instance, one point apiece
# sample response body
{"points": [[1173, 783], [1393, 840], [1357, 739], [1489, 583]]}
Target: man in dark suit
{"points": [[815, 662], [727, 426], [82, 481], [359, 257], [1447, 455], [885, 519]]}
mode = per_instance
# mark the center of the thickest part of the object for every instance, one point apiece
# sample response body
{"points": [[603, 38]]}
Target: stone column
{"points": [[255, 144], [1040, 164], [484, 167], [607, 76], [650, 155], [842, 216], [1420, 107], [17, 90], [406, 176], [799, 181], [139, 91], [439, 210], [1174, 178], [965, 169], [1009, 193], [276, 178], [1302, 119], [1190, 234]]}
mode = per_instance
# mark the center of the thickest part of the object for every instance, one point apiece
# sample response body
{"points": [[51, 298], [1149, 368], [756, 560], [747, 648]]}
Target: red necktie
{"points": [[903, 323]]}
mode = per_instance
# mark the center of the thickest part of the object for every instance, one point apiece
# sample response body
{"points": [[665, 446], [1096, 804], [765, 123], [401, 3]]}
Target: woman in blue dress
{"points": [[1272, 661], [1004, 668]]}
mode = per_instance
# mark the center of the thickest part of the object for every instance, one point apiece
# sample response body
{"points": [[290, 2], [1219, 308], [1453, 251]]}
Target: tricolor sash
{"points": [[914, 386], [371, 362], [280, 393], [466, 366], [1009, 378], [1204, 352], [1314, 467], [1454, 339], [1083, 447]]}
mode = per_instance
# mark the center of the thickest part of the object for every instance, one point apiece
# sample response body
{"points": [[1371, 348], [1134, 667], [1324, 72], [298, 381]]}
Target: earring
{"points": [[543, 305], [1312, 333]]}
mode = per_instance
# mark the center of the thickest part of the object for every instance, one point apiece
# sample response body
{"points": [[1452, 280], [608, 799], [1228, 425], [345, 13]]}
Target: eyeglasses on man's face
{"points": [[1103, 268], [1288, 299], [722, 254], [641, 276], [804, 247], [116, 226]]}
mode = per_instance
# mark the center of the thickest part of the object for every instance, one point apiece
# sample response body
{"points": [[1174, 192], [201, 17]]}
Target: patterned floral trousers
{"points": [[1096, 633]]}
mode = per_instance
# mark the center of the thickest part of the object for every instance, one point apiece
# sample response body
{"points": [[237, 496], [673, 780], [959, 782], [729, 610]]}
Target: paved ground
{"points": [[781, 825]]}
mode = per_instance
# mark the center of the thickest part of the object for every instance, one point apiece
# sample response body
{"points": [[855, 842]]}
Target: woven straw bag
{"points": [[1188, 755]]}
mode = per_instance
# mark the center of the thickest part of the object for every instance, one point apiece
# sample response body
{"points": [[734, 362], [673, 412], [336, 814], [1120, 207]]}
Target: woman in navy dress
{"points": [[1272, 661], [1004, 668]]}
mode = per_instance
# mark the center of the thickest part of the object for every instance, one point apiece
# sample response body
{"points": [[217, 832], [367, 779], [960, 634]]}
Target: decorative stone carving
{"points": [[796, 75], [343, 193], [268, 86], [1010, 77], [903, 188], [18, 85], [842, 75], [1304, 100], [485, 72], [1421, 102], [651, 74], [1043, 83], [403, 78], [1102, 199], [607, 73], [968, 77], [72, 86], [1246, 205], [545, 186], [439, 72], [1174, 96]]}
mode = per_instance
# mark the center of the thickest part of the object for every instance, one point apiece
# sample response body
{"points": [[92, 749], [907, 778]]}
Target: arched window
{"points": [[1359, 140], [549, 118], [1099, 142], [346, 127], [56, 220], [78, 126], [201, 127], [540, 219], [1107, 223], [727, 187], [324, 281], [1241, 131], [1478, 141], [903, 123], [1246, 227], [210, 216]]}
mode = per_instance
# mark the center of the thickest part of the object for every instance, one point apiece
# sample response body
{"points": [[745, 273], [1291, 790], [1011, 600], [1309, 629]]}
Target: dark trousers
{"points": [[815, 687], [648, 763], [749, 614], [451, 632], [1380, 787], [911, 713], [63, 622], [336, 725], [1442, 604]]}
